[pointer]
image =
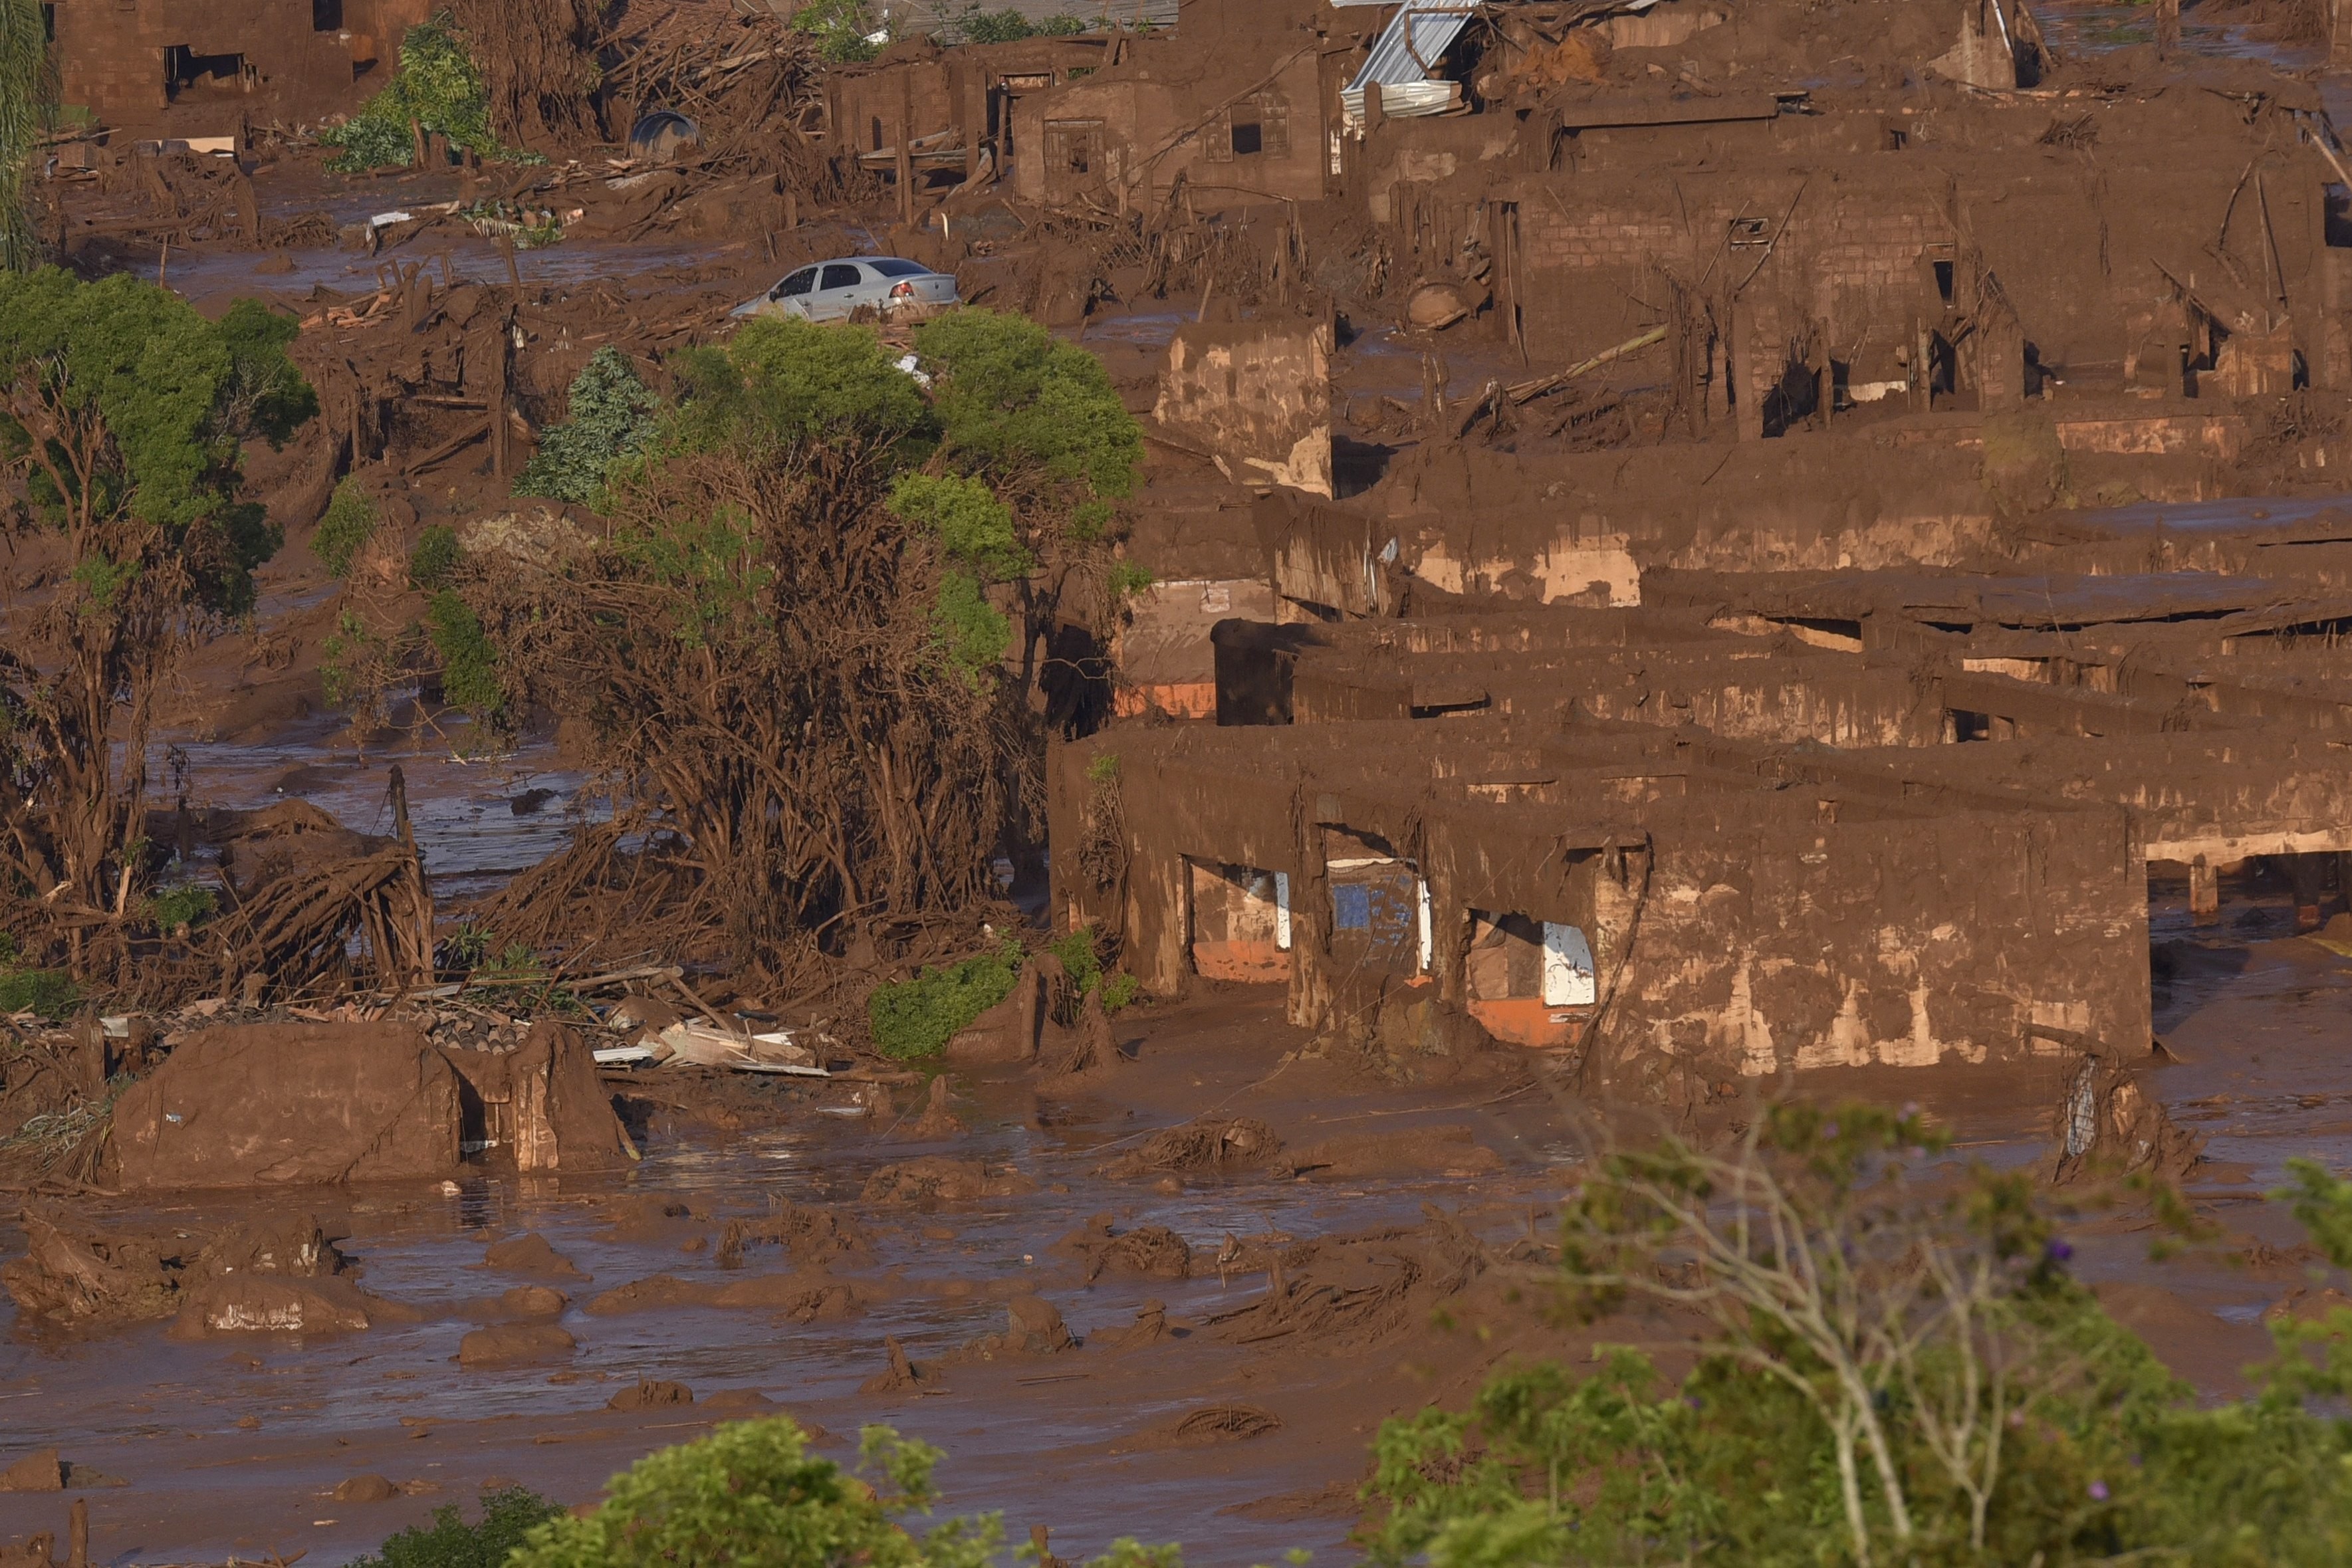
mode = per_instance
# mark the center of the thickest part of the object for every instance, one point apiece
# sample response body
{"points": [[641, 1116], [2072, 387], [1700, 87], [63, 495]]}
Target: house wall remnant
{"points": [[206, 66], [1257, 397]]}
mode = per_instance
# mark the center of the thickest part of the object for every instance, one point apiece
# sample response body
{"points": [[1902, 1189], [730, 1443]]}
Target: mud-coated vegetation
{"points": [[803, 648]]}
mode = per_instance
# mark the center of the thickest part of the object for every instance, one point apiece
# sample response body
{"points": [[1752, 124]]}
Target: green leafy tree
{"points": [[345, 527], [844, 30], [2006, 1420], [434, 557], [609, 419], [26, 101], [508, 1517], [121, 417], [792, 641], [437, 88], [751, 1495]]}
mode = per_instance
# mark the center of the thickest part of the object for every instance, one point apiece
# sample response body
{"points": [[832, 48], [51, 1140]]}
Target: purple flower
{"points": [[2058, 1252], [2098, 1491]]}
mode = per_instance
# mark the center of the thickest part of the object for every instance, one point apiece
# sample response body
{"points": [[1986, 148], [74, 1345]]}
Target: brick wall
{"points": [[301, 59], [1848, 257]]}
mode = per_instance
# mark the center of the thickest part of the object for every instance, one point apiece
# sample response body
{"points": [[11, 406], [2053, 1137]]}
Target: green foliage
{"points": [[2085, 1449], [751, 1496], [781, 382], [976, 26], [187, 904], [348, 660], [1103, 768], [267, 395], [508, 1517], [841, 28], [1128, 1552], [344, 530], [49, 994], [975, 526], [469, 666], [437, 87], [1080, 954], [1011, 395], [467, 947], [972, 634], [27, 102], [2321, 1204], [609, 419], [714, 560], [434, 559], [1128, 577], [140, 404], [916, 1019]]}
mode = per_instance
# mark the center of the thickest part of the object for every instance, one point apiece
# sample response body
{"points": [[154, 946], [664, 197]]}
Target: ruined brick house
{"points": [[205, 66], [1764, 822], [958, 104], [1813, 249], [1240, 104]]}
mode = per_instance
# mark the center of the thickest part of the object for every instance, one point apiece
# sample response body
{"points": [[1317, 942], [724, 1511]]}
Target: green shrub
{"points": [[975, 526], [973, 632], [751, 1496], [434, 559], [1010, 394], [915, 1019], [349, 523], [1128, 577], [183, 906], [46, 993], [841, 28], [469, 666], [437, 87], [1005, 26], [608, 419], [507, 1519], [1080, 953]]}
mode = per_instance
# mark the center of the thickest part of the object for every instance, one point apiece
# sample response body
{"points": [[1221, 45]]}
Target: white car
{"points": [[830, 290]]}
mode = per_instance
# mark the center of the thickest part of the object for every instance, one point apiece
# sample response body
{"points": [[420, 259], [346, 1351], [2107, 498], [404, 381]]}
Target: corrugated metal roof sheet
{"points": [[1403, 57]]}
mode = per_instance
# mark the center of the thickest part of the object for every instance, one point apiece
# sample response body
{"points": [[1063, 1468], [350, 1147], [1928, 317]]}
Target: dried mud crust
{"points": [[262, 1277]]}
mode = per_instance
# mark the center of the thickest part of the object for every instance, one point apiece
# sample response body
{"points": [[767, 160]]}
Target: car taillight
{"points": [[903, 291]]}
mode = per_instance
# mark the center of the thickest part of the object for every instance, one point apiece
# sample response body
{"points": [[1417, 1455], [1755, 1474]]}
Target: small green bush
{"points": [[183, 906], [1128, 577], [349, 522], [469, 666], [47, 993], [434, 559], [437, 87], [508, 1517], [915, 1019], [841, 28], [1080, 953], [608, 418], [973, 632], [751, 1496]]}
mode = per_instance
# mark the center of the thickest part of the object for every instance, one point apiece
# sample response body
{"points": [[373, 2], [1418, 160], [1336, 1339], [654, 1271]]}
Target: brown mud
{"points": [[1160, 1274]]}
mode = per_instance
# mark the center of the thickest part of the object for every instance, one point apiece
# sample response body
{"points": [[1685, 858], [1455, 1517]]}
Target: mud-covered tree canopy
{"points": [[120, 403], [791, 643]]}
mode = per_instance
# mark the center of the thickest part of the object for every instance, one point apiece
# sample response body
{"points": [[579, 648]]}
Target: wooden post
{"points": [[906, 147], [498, 394], [2204, 893]]}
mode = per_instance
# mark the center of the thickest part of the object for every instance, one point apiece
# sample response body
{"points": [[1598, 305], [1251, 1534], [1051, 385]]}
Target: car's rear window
{"points": [[892, 267]]}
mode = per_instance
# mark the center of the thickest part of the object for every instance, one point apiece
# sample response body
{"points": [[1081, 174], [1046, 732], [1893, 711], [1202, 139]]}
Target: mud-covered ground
{"points": [[233, 1445]]}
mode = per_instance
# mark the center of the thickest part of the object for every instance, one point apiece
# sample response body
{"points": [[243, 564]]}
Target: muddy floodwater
{"points": [[233, 1445]]}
